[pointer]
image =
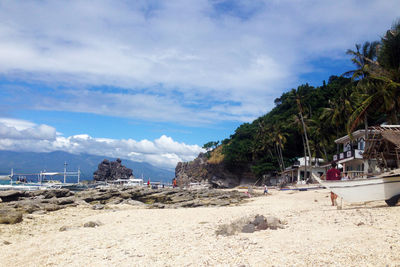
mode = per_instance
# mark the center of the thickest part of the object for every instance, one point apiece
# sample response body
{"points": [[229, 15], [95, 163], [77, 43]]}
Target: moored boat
{"points": [[382, 187]]}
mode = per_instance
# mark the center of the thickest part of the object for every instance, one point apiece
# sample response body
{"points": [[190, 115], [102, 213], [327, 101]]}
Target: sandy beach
{"points": [[315, 234]]}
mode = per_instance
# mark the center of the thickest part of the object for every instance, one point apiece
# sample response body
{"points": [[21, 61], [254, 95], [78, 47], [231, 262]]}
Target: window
{"points": [[347, 147], [361, 144]]}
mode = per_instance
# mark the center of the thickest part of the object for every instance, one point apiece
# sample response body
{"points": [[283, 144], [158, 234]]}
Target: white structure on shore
{"points": [[351, 157], [297, 172]]}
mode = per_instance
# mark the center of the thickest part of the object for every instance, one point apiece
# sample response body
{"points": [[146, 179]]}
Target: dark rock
{"points": [[51, 207], [5, 242], [215, 175], [98, 207], [63, 228], [57, 193], [259, 219], [262, 226], [111, 171], [273, 223], [114, 200], [8, 216], [92, 224], [246, 225], [30, 207], [260, 222], [65, 200], [93, 195], [11, 195], [249, 228]]}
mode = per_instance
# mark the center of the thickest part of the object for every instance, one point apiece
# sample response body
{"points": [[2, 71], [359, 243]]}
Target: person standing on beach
{"points": [[265, 189], [333, 174]]}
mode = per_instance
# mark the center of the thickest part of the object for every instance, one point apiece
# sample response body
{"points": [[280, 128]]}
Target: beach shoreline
{"points": [[315, 233]]}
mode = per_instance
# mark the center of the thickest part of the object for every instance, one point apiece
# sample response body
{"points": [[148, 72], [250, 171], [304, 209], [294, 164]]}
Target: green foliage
{"points": [[370, 95], [274, 140], [210, 145]]}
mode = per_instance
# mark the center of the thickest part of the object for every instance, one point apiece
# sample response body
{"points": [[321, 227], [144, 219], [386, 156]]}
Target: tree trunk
{"points": [[325, 153], [305, 135], [305, 157], [279, 158], [366, 126], [394, 119], [281, 152]]}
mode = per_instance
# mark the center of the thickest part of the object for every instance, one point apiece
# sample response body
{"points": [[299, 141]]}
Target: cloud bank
{"points": [[19, 135], [184, 61]]}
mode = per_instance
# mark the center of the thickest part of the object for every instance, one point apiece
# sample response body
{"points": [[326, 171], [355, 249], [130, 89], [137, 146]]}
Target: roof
{"points": [[384, 145], [346, 138]]}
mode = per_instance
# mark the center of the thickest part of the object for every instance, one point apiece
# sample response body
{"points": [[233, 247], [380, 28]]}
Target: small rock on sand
{"points": [[92, 224]]}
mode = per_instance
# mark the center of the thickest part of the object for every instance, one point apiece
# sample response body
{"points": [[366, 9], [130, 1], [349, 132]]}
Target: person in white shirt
{"points": [[345, 177]]}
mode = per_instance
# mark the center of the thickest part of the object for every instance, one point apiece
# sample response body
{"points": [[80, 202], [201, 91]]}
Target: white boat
{"points": [[7, 177], [131, 182], [385, 186]]}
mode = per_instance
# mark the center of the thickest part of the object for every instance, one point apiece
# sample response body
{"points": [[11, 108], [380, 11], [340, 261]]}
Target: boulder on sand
{"points": [[8, 216]]}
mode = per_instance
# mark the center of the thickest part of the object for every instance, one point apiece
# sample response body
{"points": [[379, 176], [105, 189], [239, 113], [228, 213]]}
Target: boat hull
{"points": [[363, 190]]}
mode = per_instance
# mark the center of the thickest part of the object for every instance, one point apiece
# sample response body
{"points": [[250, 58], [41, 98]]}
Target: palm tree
{"points": [[389, 73], [381, 81], [361, 59], [279, 137], [271, 139]]}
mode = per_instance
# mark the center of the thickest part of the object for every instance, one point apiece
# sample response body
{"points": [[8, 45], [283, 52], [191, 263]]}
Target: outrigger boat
{"points": [[7, 177], [383, 146], [385, 186]]}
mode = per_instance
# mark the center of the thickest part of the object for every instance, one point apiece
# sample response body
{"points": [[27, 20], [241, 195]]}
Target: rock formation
{"points": [[16, 204], [250, 225], [111, 171], [215, 175]]}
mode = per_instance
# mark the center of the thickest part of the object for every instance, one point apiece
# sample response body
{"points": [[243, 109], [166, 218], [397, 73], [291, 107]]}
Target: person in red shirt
{"points": [[333, 174]]}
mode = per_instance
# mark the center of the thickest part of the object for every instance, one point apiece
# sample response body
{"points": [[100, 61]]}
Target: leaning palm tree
{"points": [[381, 82], [279, 137]]}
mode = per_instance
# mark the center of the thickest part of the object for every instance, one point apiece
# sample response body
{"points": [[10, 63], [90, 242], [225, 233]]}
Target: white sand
{"points": [[316, 234]]}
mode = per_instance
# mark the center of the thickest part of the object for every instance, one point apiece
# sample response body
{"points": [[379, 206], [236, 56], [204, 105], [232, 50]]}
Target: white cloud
{"points": [[17, 124], [163, 152], [247, 54], [23, 130]]}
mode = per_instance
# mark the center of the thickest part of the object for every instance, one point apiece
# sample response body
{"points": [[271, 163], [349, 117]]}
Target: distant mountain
{"points": [[32, 162]]}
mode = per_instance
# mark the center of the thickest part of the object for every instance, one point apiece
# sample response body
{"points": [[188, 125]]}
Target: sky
{"points": [[153, 81]]}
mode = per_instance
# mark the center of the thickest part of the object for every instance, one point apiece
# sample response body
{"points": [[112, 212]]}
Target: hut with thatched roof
{"points": [[383, 145]]}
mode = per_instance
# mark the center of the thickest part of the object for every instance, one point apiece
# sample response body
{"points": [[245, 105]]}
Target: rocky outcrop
{"points": [[42, 201], [10, 216], [250, 225], [215, 175], [111, 170]]}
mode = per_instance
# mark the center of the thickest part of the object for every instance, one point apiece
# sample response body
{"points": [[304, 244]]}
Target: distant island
{"points": [[33, 162]]}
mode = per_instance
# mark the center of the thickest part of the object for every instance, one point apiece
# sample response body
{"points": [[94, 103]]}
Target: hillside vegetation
{"points": [[306, 120]]}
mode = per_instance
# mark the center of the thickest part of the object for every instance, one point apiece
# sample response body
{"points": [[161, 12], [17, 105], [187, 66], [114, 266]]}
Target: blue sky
{"points": [[154, 80]]}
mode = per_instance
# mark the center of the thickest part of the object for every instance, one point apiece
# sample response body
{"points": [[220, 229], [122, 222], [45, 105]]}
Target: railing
{"points": [[356, 174], [356, 153]]}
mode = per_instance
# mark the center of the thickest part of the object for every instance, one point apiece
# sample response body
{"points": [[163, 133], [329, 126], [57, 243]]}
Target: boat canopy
{"points": [[51, 173]]}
